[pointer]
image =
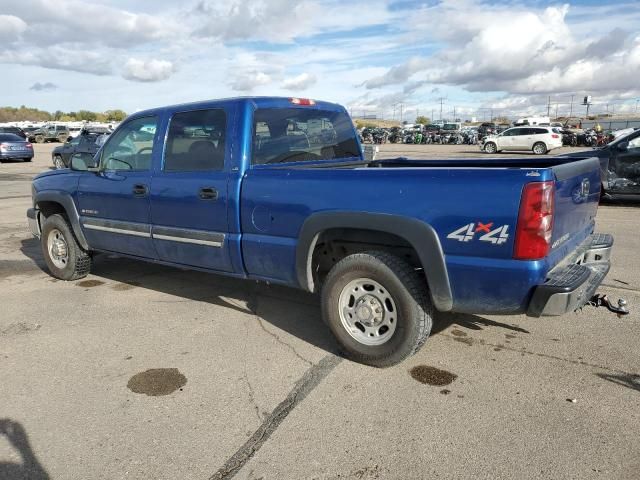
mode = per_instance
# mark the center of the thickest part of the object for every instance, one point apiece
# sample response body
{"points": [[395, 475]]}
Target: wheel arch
{"points": [[419, 236], [52, 202]]}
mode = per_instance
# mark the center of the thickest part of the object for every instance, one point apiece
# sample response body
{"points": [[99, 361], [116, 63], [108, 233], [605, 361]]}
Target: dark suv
{"points": [[88, 141], [50, 133]]}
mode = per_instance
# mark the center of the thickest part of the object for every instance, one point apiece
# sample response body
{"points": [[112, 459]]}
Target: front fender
{"points": [[64, 198]]}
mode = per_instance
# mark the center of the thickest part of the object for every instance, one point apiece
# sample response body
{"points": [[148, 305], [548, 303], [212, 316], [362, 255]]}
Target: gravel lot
{"points": [[256, 371]]}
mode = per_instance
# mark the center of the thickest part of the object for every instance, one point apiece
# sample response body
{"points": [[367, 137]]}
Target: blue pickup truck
{"points": [[278, 190]]}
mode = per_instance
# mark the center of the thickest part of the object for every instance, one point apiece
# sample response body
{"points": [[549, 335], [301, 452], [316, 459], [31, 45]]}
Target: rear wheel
{"points": [[26, 159], [378, 308], [490, 147], [539, 148], [64, 256]]}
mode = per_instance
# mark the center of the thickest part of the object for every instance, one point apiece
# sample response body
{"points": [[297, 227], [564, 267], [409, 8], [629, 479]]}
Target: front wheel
{"points": [[64, 256], [490, 147], [378, 308], [58, 162], [539, 148]]}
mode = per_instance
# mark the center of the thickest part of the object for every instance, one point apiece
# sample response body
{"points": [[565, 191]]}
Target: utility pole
{"points": [[441, 102], [401, 105], [571, 107], [556, 110], [454, 114], [549, 106]]}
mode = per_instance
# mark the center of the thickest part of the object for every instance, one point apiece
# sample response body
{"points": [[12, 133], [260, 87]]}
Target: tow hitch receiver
{"points": [[599, 300]]}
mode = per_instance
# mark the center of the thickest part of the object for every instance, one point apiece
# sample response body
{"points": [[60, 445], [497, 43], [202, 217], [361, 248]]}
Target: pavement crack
{"points": [[307, 383], [251, 393], [254, 308], [618, 287]]}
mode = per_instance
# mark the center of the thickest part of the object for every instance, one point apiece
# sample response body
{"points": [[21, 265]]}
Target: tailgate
{"points": [[577, 195]]}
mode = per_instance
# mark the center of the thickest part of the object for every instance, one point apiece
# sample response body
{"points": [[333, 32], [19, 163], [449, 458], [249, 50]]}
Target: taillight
{"points": [[302, 101], [28, 145], [555, 135], [535, 221], [3, 146]]}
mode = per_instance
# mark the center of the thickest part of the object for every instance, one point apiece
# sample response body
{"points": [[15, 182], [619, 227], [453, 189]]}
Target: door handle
{"points": [[140, 190], [208, 193]]}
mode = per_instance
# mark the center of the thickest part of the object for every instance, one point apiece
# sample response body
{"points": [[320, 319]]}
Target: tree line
{"points": [[23, 113]]}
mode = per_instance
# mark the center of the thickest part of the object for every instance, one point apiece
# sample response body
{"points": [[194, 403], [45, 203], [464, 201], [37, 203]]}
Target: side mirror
{"points": [[623, 146], [83, 162], [69, 138]]}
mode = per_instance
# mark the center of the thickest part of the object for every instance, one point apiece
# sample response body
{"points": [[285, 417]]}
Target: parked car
{"points": [[540, 140], [384, 242], [14, 130], [13, 147], [85, 142], [50, 133], [620, 164]]}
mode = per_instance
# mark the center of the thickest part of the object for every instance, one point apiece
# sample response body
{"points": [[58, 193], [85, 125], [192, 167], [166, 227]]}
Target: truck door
{"points": [[114, 203], [189, 192]]}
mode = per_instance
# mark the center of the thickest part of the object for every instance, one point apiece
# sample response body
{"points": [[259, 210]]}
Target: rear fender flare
{"points": [[421, 236], [64, 199]]}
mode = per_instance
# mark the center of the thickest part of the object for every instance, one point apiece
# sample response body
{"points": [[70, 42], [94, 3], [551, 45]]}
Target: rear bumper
{"points": [[571, 284], [32, 220], [16, 154]]}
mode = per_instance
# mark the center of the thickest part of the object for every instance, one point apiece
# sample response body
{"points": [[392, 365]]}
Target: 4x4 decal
{"points": [[496, 236]]}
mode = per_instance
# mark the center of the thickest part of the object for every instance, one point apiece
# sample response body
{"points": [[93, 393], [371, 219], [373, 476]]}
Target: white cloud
{"points": [[152, 70], [517, 50], [11, 27], [300, 82], [249, 81]]}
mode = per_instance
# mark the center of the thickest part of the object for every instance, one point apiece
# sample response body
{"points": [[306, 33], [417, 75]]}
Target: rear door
{"points": [[114, 202], [189, 195]]}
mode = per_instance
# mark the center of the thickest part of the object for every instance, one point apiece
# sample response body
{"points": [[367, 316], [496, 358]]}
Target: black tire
{"points": [[78, 261], [40, 139], [413, 307], [26, 159], [539, 148], [490, 147]]}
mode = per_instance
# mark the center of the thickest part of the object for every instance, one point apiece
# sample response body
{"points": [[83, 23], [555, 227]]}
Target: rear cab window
{"points": [[282, 135], [196, 141]]}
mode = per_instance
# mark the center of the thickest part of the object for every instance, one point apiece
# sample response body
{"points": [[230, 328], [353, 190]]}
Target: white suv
{"points": [[540, 140]]}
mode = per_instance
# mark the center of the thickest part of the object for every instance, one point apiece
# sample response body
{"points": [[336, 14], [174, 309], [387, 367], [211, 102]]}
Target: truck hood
{"points": [[49, 173]]}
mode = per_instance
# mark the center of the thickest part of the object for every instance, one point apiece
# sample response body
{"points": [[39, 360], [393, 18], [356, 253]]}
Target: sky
{"points": [[377, 57]]}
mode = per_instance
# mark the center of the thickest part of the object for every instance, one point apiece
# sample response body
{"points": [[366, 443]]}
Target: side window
{"points": [[510, 133], [76, 140], [131, 147], [196, 141], [635, 143]]}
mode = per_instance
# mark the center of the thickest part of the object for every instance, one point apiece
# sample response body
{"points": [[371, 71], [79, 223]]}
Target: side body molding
{"points": [[64, 199], [420, 235]]}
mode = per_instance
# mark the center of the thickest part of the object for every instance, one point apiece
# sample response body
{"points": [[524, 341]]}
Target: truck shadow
{"points": [[472, 322], [625, 380], [291, 310], [30, 467]]}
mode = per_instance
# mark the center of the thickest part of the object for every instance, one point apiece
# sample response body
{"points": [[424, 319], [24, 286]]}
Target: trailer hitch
{"points": [[600, 300]]}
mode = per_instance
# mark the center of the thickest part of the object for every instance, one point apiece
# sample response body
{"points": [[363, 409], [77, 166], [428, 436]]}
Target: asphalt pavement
{"points": [[142, 371]]}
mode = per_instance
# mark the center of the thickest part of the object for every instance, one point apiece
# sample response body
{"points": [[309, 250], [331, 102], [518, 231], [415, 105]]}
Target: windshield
{"points": [[298, 134]]}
